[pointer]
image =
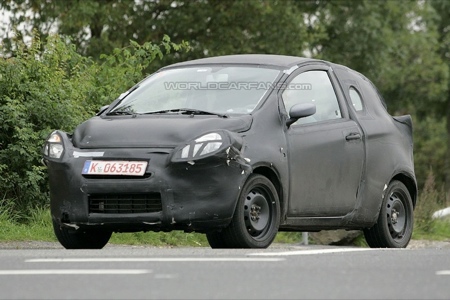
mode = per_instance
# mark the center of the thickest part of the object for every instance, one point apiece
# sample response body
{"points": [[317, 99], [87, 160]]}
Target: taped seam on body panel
{"points": [[233, 154]]}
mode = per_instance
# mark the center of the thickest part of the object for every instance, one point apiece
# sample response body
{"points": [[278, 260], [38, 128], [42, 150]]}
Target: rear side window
{"points": [[356, 99]]}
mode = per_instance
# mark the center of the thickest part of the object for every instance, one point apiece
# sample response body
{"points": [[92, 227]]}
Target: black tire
{"points": [[81, 238], [215, 240], [395, 222], [256, 218]]}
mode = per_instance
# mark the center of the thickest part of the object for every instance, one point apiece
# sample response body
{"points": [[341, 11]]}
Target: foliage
{"points": [[212, 27], [35, 96], [395, 44], [440, 231], [442, 8], [48, 86], [430, 140], [32, 224], [129, 64], [430, 200], [288, 237]]}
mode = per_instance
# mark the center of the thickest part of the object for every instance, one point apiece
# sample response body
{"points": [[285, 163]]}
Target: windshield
{"points": [[212, 89]]}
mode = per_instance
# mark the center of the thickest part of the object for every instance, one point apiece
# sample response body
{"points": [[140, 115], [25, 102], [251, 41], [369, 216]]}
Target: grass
{"points": [[440, 231], [430, 200], [37, 226]]}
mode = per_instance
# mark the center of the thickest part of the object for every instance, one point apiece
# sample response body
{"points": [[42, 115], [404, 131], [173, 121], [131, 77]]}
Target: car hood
{"points": [[151, 131]]}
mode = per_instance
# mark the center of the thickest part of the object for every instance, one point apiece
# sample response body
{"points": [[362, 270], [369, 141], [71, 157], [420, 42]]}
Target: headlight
{"points": [[54, 146], [207, 145], [204, 145]]}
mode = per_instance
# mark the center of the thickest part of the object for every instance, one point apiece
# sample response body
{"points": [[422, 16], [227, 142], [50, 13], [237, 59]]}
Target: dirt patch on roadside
{"points": [[30, 245], [418, 244]]}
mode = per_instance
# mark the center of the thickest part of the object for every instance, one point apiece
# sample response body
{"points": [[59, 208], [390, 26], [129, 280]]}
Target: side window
{"points": [[356, 99], [313, 87]]}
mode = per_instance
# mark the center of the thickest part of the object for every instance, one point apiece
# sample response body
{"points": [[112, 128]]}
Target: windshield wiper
{"points": [[186, 111], [120, 112]]}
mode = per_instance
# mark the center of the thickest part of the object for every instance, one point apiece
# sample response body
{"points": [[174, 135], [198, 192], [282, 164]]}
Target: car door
{"points": [[325, 151]]}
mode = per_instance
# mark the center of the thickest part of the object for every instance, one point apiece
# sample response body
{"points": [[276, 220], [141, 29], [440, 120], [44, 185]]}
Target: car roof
{"points": [[281, 61]]}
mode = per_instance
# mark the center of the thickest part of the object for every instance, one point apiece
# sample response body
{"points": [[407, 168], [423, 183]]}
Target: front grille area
{"points": [[125, 203]]}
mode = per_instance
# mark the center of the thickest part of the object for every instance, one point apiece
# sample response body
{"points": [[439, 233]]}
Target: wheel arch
{"points": [[274, 178], [410, 184]]}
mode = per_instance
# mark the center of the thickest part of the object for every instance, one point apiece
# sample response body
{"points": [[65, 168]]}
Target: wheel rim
{"points": [[257, 213], [396, 215]]}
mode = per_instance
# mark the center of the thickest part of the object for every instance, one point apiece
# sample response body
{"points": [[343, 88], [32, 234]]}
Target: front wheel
{"points": [[256, 218], [395, 222], [81, 238]]}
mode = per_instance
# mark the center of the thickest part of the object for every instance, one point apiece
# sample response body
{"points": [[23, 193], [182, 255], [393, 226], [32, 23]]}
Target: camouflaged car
{"points": [[237, 147]]}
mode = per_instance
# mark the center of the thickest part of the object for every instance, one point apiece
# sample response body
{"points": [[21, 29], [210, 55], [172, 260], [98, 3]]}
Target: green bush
{"points": [[48, 86], [430, 200], [430, 145]]}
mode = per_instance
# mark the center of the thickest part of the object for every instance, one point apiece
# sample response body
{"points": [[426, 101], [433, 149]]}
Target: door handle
{"points": [[353, 136]]}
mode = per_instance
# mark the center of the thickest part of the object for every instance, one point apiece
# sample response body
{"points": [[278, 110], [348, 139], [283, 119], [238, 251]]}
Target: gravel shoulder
{"points": [[414, 244]]}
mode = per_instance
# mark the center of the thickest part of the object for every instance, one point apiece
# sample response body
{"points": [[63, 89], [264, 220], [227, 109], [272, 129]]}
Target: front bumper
{"points": [[170, 196]]}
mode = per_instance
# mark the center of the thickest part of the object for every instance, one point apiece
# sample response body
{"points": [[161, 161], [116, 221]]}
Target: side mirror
{"points": [[102, 109], [301, 110]]}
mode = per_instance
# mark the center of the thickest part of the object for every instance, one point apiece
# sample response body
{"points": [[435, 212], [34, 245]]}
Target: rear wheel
{"points": [[256, 218], [395, 222], [81, 238]]}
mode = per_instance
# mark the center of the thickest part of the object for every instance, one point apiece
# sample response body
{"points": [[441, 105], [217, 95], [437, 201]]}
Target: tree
{"points": [[212, 27], [442, 8]]}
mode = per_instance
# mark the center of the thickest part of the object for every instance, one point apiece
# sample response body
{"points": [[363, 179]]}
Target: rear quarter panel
{"points": [[389, 147]]}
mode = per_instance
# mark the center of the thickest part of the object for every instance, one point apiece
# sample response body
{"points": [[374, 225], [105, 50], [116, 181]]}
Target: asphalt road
{"points": [[279, 272]]}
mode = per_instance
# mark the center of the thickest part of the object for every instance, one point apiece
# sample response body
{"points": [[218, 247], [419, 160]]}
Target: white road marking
{"points": [[76, 272], [156, 259], [443, 272], [309, 252]]}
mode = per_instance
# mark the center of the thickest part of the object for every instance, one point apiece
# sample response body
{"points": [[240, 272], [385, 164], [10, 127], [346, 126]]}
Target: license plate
{"points": [[114, 167]]}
